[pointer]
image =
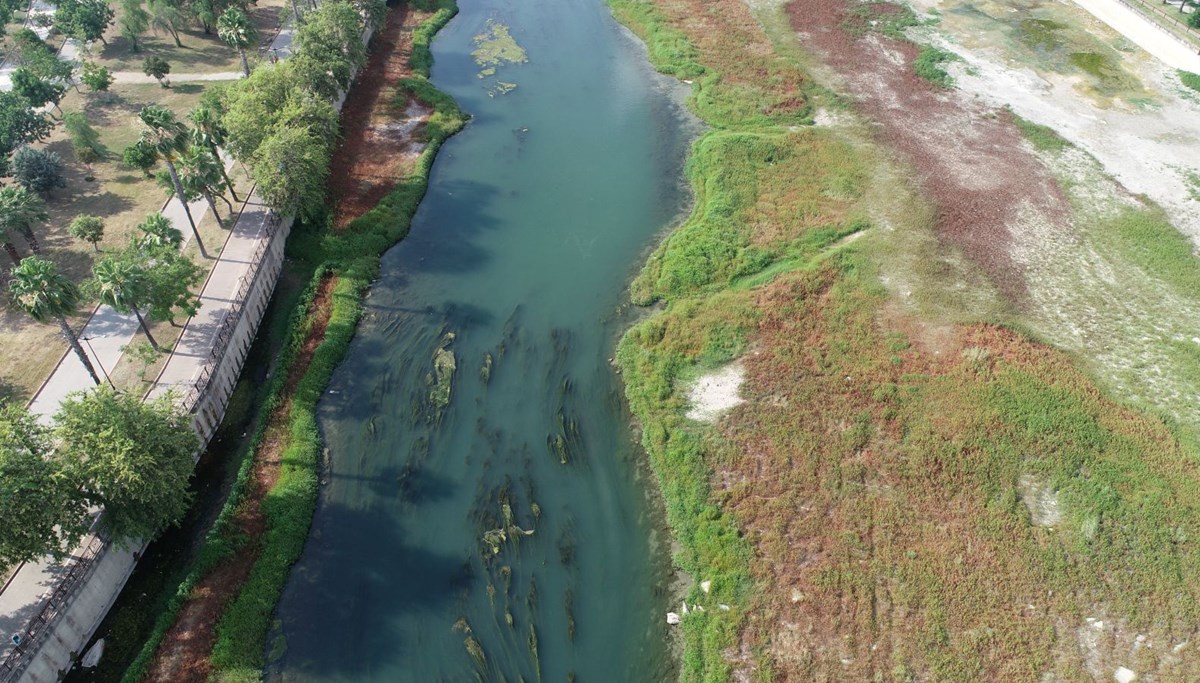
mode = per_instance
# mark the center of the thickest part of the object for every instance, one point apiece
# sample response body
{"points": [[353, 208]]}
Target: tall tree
{"points": [[329, 47], [42, 61], [133, 22], [168, 137], [167, 15], [157, 232], [171, 279], [83, 20], [45, 294], [85, 141], [8, 8], [374, 12], [292, 166], [121, 283], [132, 457], [234, 28], [20, 209], [19, 125], [40, 501], [208, 131], [201, 174], [37, 91]]}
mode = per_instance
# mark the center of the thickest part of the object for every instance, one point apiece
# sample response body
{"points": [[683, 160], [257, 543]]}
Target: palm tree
{"points": [[42, 292], [158, 232], [19, 210], [209, 132], [202, 175], [122, 285], [235, 29], [168, 137]]}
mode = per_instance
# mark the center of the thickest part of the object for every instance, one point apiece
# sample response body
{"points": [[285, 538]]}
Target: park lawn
{"points": [[200, 53], [121, 196]]}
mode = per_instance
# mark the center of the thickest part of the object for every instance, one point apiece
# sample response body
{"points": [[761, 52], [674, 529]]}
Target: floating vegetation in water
{"points": [[496, 47], [536, 510], [566, 544], [485, 371], [473, 647], [511, 329], [569, 607], [502, 88], [508, 617], [508, 529], [441, 380], [565, 441], [531, 599], [491, 593], [533, 651]]}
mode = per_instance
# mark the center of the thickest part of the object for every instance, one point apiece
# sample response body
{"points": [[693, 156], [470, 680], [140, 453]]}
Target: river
{"points": [[421, 565]]}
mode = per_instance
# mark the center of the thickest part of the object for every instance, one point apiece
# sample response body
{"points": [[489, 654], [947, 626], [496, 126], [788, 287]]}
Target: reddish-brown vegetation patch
{"points": [[878, 481], [183, 655], [971, 162], [380, 138]]}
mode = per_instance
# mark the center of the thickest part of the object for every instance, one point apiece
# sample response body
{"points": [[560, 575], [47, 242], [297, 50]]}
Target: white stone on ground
{"points": [[717, 392]]}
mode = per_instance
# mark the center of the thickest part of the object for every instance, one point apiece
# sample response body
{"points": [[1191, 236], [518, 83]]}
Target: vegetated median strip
{"points": [[349, 258]]}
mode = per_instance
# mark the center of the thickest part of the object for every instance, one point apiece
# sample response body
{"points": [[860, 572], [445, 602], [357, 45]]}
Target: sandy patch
{"points": [[1150, 145], [717, 392], [1041, 500]]}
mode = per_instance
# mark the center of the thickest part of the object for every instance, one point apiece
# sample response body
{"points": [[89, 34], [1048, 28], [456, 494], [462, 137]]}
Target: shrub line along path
{"points": [[108, 332]]}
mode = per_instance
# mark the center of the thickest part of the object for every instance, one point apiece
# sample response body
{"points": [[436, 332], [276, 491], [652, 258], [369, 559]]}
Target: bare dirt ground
{"points": [[380, 137], [975, 167], [1149, 140]]}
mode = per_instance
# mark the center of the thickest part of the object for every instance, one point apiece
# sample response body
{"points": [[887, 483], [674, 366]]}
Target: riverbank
{"points": [[911, 485], [218, 620]]}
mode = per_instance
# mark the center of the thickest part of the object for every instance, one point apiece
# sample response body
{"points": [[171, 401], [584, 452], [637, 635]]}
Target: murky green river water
{"points": [[419, 567]]}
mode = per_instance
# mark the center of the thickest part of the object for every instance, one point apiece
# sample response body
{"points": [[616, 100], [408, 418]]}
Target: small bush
{"points": [[928, 65], [38, 170], [85, 141], [1190, 79], [1043, 138], [90, 229]]}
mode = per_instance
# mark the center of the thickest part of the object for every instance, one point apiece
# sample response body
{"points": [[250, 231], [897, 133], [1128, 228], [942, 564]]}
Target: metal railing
{"points": [[220, 345], [52, 607], [1176, 28]]}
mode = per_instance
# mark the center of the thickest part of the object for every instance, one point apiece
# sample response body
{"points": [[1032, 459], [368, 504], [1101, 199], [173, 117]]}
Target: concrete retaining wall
{"points": [[210, 409]]}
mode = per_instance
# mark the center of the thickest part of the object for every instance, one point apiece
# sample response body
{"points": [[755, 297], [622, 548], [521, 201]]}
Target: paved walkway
{"points": [[220, 292]]}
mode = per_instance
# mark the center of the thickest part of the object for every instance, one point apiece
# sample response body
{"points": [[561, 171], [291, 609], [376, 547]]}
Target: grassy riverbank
{"points": [[913, 489], [265, 520]]}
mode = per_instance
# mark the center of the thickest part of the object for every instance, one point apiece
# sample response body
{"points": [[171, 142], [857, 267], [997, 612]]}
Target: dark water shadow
{"points": [[337, 592]]}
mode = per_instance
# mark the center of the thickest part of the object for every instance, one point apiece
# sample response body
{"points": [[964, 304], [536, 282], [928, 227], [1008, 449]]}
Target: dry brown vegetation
{"points": [[380, 139]]}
